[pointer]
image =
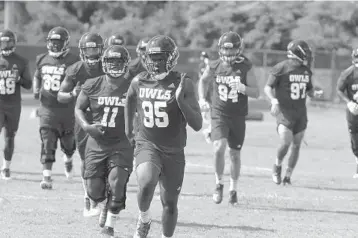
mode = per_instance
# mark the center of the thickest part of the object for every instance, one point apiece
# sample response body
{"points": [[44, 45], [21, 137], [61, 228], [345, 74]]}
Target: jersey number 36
{"points": [[154, 114]]}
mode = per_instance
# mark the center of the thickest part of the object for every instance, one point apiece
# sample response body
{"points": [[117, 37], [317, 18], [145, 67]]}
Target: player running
{"points": [[165, 101], [115, 39], [347, 89], [56, 119], [14, 74], [287, 86], [234, 82], [109, 154], [91, 49]]}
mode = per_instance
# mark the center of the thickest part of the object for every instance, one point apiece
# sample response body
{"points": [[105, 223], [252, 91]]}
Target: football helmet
{"points": [[58, 40], [91, 48], [115, 39], [161, 56], [115, 61], [300, 50], [355, 57], [8, 42], [230, 47], [141, 47]]}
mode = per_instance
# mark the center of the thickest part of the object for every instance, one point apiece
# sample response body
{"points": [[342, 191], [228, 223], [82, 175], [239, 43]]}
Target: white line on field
{"points": [[243, 167]]}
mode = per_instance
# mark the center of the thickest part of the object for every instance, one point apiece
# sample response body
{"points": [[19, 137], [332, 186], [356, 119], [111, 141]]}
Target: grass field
{"points": [[323, 201]]}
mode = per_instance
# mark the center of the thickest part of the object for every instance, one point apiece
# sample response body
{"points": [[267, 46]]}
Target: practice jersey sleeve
{"points": [[88, 86], [274, 74]]}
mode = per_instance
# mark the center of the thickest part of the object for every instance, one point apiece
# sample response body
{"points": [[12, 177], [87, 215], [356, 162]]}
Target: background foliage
{"points": [[264, 25]]}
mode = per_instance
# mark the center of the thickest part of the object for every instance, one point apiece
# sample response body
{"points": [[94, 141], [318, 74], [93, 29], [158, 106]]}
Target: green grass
{"points": [[321, 203]]}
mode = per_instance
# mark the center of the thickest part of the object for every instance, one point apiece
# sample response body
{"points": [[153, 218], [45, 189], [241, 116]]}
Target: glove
{"points": [[275, 107], [204, 105], [352, 107]]}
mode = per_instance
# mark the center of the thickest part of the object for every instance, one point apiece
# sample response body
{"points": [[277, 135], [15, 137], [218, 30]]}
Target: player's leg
{"points": [[49, 137], [68, 147], [235, 141], [298, 131], [219, 135], [352, 122], [118, 177], [5, 168], [148, 169], [284, 130], [171, 182]]}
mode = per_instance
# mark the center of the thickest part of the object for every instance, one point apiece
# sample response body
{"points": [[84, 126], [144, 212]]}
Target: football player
{"points": [[347, 89], [115, 39], [14, 74], [56, 119], [109, 154], [165, 101], [136, 65], [91, 49], [234, 82], [288, 85]]}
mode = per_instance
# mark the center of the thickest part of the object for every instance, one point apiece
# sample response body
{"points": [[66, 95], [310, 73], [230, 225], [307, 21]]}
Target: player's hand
{"points": [[237, 86], [77, 89], [318, 93], [204, 105], [353, 107], [275, 107], [94, 130]]}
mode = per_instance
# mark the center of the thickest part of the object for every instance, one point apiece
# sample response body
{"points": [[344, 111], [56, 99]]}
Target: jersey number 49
{"points": [[154, 115]]}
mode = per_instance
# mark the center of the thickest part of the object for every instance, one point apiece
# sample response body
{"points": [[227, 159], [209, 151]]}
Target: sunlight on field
{"points": [[321, 203]]}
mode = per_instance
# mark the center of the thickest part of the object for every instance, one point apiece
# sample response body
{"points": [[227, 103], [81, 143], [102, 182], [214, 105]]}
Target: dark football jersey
{"points": [[161, 121], [107, 107], [135, 67], [79, 72], [348, 82], [52, 72], [12, 67], [225, 100], [292, 81]]}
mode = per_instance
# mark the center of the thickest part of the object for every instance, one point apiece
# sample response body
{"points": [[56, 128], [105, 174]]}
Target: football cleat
{"points": [[233, 198], [108, 231], [218, 193], [5, 174], [286, 180], [276, 174], [46, 183], [142, 229]]}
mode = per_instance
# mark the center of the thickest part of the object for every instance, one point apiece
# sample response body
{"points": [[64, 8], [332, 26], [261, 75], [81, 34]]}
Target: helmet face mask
{"points": [[91, 48], [160, 57], [58, 42], [115, 61], [355, 57], [230, 47], [7, 43]]}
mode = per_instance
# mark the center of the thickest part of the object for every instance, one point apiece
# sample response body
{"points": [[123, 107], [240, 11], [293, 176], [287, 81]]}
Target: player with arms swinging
{"points": [[287, 86], [165, 101], [14, 74], [347, 89], [234, 82], [56, 119], [109, 154]]}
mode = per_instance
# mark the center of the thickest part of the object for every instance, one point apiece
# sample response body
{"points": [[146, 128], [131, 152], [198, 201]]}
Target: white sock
{"points": [[84, 187], [46, 173], [218, 179], [278, 162], [233, 185], [111, 218], [357, 160], [67, 159], [144, 216], [163, 236], [6, 164]]}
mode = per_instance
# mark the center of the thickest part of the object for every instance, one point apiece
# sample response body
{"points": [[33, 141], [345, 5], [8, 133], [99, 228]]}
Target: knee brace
{"points": [[48, 144], [68, 143], [115, 205]]}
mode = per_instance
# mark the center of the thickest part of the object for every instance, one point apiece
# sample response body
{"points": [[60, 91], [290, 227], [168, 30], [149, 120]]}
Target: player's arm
{"points": [[270, 88], [204, 83], [82, 104], [189, 105], [36, 83], [25, 78], [342, 87], [65, 94], [252, 88], [130, 110]]}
